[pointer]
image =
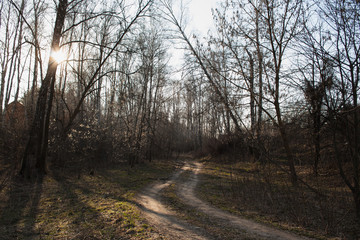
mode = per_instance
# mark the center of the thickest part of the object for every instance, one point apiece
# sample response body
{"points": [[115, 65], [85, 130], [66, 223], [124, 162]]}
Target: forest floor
{"points": [[183, 199], [67, 204]]}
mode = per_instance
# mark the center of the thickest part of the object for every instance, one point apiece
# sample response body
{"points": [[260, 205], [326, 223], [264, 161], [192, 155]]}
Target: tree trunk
{"points": [[38, 138], [356, 195], [260, 71], [317, 126], [252, 93], [282, 129]]}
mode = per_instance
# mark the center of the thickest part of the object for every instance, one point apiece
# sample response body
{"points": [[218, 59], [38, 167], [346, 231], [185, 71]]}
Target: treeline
{"points": [[273, 80], [104, 94]]}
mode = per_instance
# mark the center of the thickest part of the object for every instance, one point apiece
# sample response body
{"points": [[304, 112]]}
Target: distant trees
{"points": [[196, 52], [145, 93], [11, 59]]}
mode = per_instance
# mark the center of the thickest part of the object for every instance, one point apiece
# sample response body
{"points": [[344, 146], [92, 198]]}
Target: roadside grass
{"points": [[263, 193], [66, 205], [191, 215]]}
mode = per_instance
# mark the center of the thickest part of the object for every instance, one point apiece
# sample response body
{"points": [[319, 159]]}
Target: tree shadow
{"points": [[63, 206], [83, 207], [76, 210], [20, 210]]}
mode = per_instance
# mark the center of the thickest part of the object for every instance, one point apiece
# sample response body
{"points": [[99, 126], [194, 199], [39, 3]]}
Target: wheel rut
{"points": [[171, 227], [164, 219]]}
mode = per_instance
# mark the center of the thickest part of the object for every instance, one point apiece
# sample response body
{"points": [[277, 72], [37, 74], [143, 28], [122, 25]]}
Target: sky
{"points": [[199, 22], [200, 15]]}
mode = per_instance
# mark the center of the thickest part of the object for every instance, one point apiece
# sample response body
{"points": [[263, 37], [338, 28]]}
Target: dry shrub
{"points": [[86, 146], [227, 148]]}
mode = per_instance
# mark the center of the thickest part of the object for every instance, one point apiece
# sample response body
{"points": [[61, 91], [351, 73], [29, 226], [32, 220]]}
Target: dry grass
{"points": [[65, 205], [263, 193], [212, 227]]}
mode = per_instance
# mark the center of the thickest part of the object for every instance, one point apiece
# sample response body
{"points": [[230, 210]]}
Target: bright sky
{"points": [[200, 15], [199, 22]]}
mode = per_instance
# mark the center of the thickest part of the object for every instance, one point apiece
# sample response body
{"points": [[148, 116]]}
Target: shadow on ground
{"points": [[19, 209]]}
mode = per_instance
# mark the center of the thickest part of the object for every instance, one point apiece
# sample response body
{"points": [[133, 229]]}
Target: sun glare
{"points": [[58, 56]]}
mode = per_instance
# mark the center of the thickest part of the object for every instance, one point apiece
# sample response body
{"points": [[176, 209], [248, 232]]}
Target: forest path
{"points": [[161, 217], [173, 228]]}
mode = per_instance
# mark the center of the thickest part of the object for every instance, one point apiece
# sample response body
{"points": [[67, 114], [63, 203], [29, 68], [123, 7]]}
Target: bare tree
{"points": [[37, 144], [242, 26], [317, 72], [342, 20], [283, 22], [39, 8], [169, 15]]}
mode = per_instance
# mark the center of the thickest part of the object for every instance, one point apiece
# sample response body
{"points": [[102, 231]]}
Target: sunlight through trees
{"points": [[89, 83]]}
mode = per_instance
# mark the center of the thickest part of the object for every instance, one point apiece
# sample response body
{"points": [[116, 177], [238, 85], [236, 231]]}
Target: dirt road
{"points": [[172, 227]]}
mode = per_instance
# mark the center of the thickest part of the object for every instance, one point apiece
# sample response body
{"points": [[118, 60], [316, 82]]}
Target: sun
{"points": [[58, 56]]}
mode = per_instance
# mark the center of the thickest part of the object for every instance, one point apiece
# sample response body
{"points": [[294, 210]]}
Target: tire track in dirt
{"points": [[171, 227], [186, 190], [161, 217]]}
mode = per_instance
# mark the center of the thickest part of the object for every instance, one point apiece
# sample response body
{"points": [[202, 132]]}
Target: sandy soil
{"points": [[170, 227]]}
